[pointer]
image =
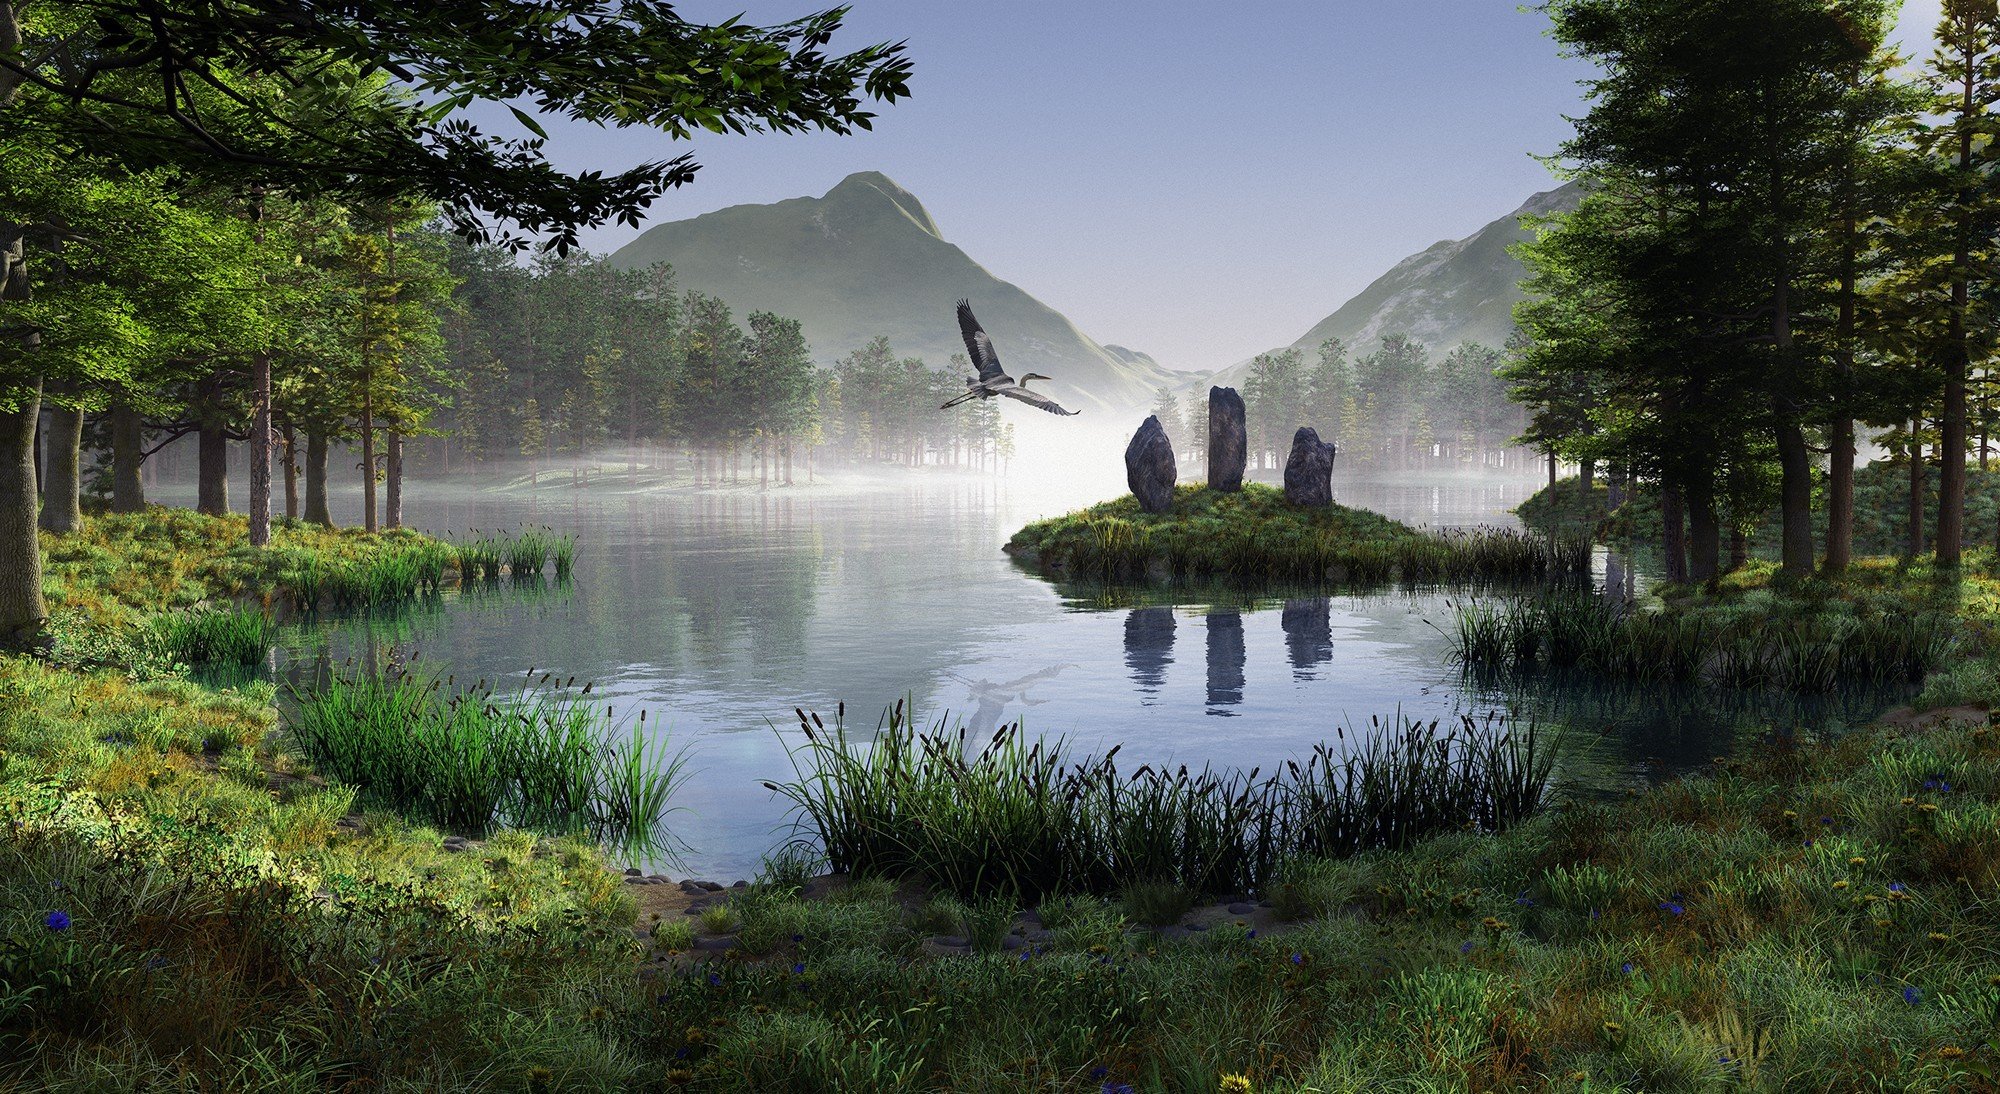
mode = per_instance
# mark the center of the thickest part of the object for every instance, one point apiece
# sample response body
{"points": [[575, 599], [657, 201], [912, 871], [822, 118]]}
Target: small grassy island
{"points": [[1255, 534]]}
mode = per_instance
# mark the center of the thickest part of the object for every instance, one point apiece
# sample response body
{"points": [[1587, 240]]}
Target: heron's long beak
{"points": [[1034, 376]]}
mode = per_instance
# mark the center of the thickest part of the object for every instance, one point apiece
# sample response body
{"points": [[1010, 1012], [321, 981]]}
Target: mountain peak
{"points": [[871, 186], [865, 259]]}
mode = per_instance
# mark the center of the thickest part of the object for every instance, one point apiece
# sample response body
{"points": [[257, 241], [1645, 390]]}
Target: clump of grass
{"points": [[1155, 903], [1021, 818], [214, 636], [1254, 534], [546, 755]]}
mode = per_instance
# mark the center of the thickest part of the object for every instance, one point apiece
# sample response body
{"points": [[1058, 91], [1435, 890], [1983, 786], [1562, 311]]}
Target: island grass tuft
{"points": [[1255, 534]]}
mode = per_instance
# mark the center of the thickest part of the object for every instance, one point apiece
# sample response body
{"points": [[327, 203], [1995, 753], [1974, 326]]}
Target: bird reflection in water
{"points": [[993, 699]]}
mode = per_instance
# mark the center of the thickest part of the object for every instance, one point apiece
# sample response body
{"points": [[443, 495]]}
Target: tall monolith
{"points": [[1309, 470], [1149, 467], [1228, 439]]}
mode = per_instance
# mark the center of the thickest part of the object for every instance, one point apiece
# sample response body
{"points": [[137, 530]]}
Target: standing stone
{"points": [[1309, 470], [1228, 439], [1149, 467]]}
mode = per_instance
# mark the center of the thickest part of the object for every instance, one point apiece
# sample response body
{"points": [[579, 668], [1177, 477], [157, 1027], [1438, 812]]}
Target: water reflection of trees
{"points": [[1663, 730]]}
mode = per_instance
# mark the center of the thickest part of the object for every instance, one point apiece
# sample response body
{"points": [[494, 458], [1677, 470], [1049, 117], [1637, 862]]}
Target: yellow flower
{"points": [[1842, 884], [1939, 936], [1857, 861], [1790, 815], [1927, 807], [1613, 1028], [696, 1035], [1235, 1084], [1951, 1052]]}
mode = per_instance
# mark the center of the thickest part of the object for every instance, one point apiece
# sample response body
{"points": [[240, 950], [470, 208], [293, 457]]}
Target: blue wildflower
{"points": [[1118, 1088], [714, 980], [1895, 886], [681, 1053], [56, 921], [799, 969], [798, 938], [1298, 959], [1912, 996], [1826, 820], [1626, 968], [1251, 933], [1523, 899], [1099, 1072], [1673, 907], [1465, 948]]}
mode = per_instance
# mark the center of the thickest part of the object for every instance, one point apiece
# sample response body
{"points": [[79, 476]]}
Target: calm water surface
{"points": [[720, 613]]}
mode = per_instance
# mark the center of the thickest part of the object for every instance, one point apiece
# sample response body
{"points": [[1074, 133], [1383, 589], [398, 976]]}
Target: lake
{"points": [[719, 613]]}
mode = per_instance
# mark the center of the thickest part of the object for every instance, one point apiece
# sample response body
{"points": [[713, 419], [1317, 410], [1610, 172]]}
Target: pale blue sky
{"points": [[1197, 181]]}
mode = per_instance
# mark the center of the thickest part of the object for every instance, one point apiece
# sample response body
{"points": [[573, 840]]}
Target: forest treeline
{"points": [[1396, 408], [263, 223], [570, 355], [1788, 240]]}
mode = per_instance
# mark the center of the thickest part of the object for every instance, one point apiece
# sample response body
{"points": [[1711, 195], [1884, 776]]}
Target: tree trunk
{"points": [[1840, 497], [291, 466], [1916, 501], [368, 522], [392, 495], [1795, 498], [212, 472], [62, 485], [260, 439], [22, 609], [1704, 532], [1552, 469], [1951, 441], [128, 444], [1586, 473], [1739, 548], [1958, 360], [1674, 538], [316, 510]]}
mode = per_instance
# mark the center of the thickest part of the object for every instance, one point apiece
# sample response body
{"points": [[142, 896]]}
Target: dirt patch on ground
{"points": [[1906, 718]]}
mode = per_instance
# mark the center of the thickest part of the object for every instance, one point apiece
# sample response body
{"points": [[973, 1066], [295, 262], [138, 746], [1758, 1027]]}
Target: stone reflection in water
{"points": [[1308, 626], [991, 700], [1225, 661], [1149, 647]]}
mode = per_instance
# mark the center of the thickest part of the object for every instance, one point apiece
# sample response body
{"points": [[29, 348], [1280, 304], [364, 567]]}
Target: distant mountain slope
{"points": [[1452, 292], [866, 260]]}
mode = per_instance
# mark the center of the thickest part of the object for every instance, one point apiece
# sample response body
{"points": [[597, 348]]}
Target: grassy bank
{"points": [[1881, 511], [1254, 534], [1816, 919], [143, 591]]}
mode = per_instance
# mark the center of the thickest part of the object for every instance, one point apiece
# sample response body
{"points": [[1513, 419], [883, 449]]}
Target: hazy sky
{"points": [[1197, 181]]}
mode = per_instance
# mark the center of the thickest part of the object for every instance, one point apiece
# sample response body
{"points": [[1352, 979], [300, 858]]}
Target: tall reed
{"points": [[1018, 816], [213, 636], [545, 755]]}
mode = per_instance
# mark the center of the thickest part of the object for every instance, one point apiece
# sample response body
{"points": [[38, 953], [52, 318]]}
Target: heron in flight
{"points": [[992, 380]]}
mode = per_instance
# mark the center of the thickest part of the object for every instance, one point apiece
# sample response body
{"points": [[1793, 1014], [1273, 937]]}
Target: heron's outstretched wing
{"points": [[977, 345], [1035, 398]]}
